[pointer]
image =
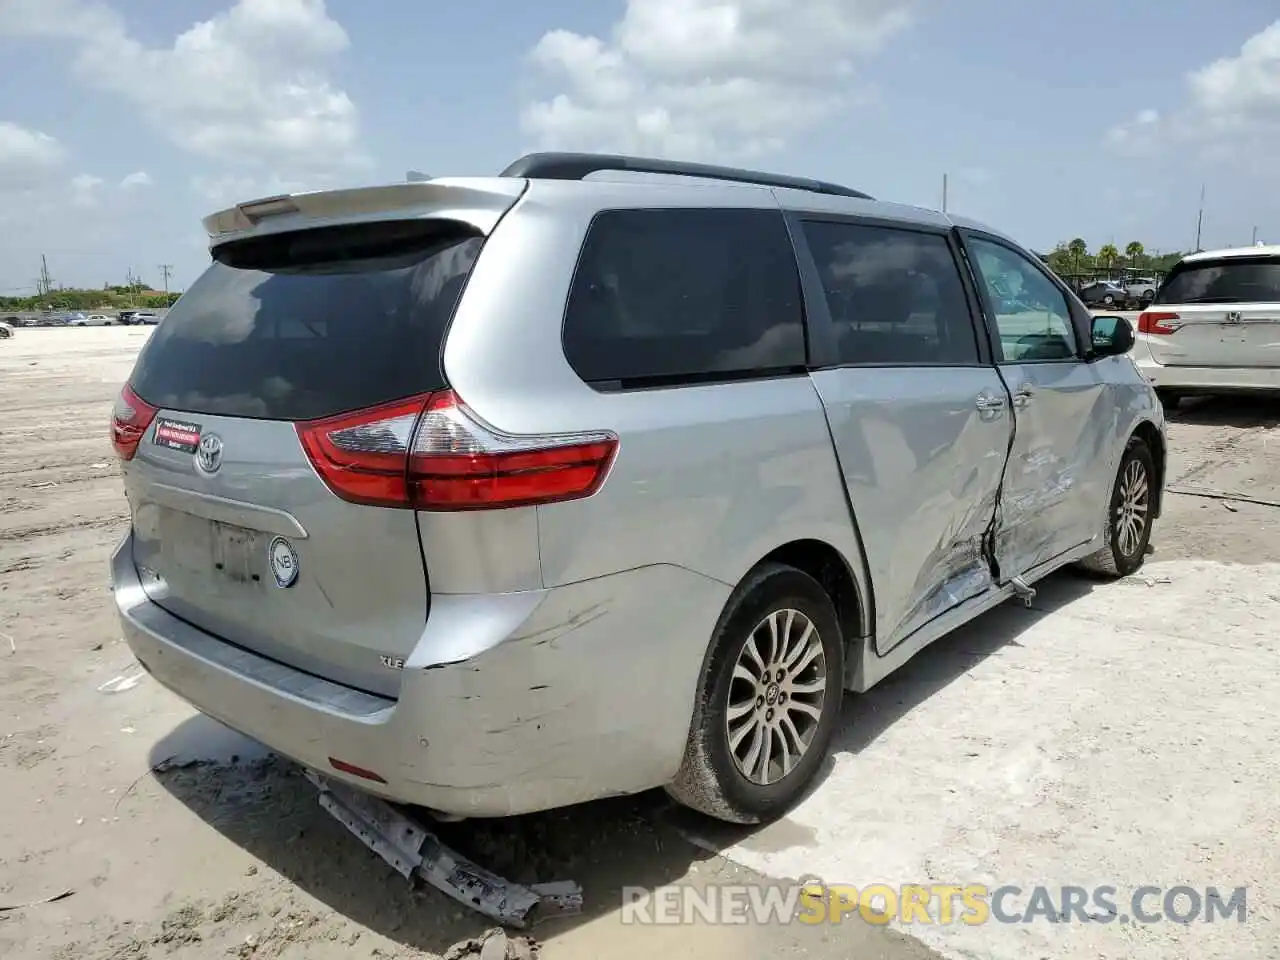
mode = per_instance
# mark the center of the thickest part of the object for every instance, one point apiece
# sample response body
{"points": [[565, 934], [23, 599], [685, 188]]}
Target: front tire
{"points": [[768, 699], [1128, 529]]}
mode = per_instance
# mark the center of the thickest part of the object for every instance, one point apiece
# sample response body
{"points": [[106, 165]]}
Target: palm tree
{"points": [[1108, 254], [1079, 250], [1133, 251]]}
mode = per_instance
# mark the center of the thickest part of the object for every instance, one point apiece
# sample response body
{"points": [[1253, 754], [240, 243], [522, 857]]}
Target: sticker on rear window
{"points": [[177, 435]]}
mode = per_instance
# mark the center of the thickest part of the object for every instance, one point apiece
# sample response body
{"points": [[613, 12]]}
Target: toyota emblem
{"points": [[209, 453]]}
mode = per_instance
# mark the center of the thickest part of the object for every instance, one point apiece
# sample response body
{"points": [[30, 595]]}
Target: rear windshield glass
{"points": [[311, 324], [1235, 280]]}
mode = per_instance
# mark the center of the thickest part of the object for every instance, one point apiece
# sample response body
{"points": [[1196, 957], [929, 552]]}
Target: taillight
{"points": [[129, 421], [432, 453], [1153, 321]]}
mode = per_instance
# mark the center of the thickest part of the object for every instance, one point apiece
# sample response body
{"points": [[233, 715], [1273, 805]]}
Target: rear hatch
{"points": [[235, 530], [1217, 312]]}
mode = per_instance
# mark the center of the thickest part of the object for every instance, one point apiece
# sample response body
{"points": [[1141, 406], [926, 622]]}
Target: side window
{"points": [[895, 295], [668, 296], [1031, 314]]}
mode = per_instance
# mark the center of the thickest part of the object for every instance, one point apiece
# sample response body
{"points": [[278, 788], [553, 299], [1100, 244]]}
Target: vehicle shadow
{"points": [[1261, 410], [268, 809]]}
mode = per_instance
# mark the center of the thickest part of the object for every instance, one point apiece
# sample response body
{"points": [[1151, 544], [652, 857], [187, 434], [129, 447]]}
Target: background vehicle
{"points": [[509, 493], [146, 316], [6, 330], [1214, 325], [1141, 289], [1103, 293], [126, 317], [92, 320]]}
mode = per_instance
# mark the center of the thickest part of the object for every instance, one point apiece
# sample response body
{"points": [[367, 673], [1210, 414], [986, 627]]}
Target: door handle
{"points": [[986, 403], [1024, 395]]}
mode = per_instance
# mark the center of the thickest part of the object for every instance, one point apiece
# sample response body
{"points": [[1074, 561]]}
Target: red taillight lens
{"points": [[432, 453], [129, 421], [1153, 321], [363, 456]]}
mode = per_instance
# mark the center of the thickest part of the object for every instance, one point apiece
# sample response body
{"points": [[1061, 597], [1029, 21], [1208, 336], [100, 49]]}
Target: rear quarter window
{"points": [[311, 324], [1229, 280], [663, 297]]}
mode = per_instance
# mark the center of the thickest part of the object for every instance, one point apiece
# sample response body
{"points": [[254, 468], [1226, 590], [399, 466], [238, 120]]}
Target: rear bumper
{"points": [[511, 703], [1204, 379]]}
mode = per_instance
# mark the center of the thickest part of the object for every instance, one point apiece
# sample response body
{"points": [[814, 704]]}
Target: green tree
{"points": [[1108, 254], [1078, 250], [1134, 251]]}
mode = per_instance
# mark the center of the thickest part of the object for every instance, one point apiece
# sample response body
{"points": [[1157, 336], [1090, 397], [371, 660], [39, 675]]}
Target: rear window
{"points": [[684, 296], [1234, 280], [312, 323]]}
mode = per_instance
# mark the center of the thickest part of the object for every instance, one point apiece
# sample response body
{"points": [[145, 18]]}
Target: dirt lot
{"points": [[224, 852]]}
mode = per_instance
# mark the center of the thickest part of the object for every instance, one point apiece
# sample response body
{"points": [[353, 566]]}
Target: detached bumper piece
{"points": [[415, 852]]}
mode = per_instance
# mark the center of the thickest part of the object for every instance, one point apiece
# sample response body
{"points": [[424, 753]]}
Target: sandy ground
{"points": [[1118, 733]]}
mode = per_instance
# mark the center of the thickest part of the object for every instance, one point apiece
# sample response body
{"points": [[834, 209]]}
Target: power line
{"points": [[166, 269]]}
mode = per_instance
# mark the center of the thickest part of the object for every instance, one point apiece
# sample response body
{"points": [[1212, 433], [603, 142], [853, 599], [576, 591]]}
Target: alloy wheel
{"points": [[1131, 511], [776, 696]]}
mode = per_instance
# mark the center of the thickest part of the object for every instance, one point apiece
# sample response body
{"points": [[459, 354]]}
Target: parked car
{"points": [[1214, 325], [1141, 289], [6, 330], [621, 485], [125, 317], [1103, 293], [146, 316], [92, 320], [59, 319]]}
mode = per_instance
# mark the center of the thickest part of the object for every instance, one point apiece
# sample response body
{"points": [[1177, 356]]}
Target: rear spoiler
{"points": [[479, 201]]}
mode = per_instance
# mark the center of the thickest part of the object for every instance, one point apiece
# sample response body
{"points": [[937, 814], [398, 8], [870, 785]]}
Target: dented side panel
{"points": [[1068, 428], [922, 464]]}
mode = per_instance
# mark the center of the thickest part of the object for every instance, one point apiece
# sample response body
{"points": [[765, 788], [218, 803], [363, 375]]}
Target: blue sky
{"points": [[122, 122]]}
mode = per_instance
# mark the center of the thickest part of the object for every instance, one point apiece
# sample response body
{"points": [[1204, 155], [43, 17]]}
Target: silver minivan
{"points": [[501, 494]]}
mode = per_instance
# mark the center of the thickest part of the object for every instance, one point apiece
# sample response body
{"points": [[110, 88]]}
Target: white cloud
{"points": [[232, 188], [28, 158], [246, 87], [706, 77], [84, 189], [135, 180], [1236, 96]]}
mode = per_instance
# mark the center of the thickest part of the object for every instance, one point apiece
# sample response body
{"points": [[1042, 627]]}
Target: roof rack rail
{"points": [[577, 166]]}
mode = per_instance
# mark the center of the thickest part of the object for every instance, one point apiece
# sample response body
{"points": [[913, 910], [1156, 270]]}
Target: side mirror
{"points": [[1112, 336]]}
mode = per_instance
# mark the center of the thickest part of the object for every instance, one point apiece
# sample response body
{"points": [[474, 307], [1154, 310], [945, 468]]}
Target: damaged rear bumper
{"points": [[510, 703], [417, 854]]}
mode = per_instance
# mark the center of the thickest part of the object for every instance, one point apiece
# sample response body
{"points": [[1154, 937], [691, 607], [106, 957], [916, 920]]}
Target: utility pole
{"points": [[166, 269], [944, 193], [1254, 242], [1200, 217], [44, 285]]}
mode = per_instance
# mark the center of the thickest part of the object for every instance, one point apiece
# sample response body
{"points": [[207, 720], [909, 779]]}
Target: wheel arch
{"points": [[833, 571], [1148, 433]]}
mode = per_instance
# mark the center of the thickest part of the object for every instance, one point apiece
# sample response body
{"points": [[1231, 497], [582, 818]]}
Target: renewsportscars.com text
{"points": [[934, 903]]}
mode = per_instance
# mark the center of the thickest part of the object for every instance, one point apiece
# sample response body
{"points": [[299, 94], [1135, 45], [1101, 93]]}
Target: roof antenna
{"points": [[416, 176]]}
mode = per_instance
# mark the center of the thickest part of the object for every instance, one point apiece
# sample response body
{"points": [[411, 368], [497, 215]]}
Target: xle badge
{"points": [[284, 562]]}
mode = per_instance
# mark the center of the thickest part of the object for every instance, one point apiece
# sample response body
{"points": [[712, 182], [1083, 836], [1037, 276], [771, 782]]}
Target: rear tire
{"points": [[1128, 528], [757, 740]]}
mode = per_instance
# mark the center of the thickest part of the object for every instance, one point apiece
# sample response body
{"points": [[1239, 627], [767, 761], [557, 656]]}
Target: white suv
{"points": [[1214, 325]]}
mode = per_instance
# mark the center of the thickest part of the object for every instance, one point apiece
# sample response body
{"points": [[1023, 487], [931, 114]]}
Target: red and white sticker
{"points": [[177, 435]]}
